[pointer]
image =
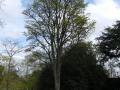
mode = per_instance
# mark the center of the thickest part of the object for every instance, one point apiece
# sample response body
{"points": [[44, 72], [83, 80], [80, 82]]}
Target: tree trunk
{"points": [[57, 75], [9, 68]]}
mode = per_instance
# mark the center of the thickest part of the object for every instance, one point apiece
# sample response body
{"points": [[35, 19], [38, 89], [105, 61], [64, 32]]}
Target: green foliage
{"points": [[32, 80], [79, 70], [109, 43], [53, 22], [1, 73], [13, 77]]}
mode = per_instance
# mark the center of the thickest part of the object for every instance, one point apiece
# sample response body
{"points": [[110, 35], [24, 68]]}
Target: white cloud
{"points": [[13, 18], [105, 13], [13, 8]]}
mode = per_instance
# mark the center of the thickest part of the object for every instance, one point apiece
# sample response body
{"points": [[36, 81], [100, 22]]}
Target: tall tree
{"points": [[109, 44], [54, 24]]}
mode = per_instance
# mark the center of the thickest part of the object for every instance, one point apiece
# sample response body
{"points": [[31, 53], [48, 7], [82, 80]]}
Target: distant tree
{"points": [[79, 71], [33, 61], [13, 80], [55, 24], [10, 49], [109, 44], [1, 73], [32, 80]]}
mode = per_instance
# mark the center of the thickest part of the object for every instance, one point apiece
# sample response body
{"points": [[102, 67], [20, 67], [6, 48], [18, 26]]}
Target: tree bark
{"points": [[56, 69], [7, 81]]}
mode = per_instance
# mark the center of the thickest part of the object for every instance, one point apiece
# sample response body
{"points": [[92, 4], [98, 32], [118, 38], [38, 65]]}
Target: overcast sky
{"points": [[104, 12]]}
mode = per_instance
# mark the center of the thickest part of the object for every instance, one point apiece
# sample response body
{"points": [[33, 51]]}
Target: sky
{"points": [[104, 12], [13, 20]]}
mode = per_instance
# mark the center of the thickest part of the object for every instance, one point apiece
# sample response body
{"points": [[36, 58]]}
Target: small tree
{"points": [[54, 24], [11, 48]]}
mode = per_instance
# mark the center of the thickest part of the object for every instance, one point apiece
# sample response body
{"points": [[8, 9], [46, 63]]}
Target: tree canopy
{"points": [[79, 70], [54, 24], [109, 42], [109, 47]]}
